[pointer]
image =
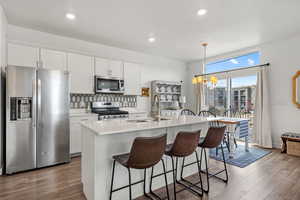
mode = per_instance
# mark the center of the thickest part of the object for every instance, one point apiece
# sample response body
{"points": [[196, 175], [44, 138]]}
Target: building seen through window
{"points": [[242, 88]]}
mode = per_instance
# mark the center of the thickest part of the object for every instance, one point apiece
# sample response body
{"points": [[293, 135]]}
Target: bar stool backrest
{"points": [[214, 137], [185, 143], [147, 151]]}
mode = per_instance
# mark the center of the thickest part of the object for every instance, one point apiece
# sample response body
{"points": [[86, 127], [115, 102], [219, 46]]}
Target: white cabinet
{"points": [[21, 55], [109, 68], [101, 67], [51, 59], [81, 73], [132, 79], [116, 69], [75, 131]]}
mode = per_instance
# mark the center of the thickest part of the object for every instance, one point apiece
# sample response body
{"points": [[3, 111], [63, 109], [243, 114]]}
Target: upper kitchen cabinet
{"points": [[132, 79], [101, 67], [116, 69], [51, 59], [21, 55], [109, 68], [82, 73]]}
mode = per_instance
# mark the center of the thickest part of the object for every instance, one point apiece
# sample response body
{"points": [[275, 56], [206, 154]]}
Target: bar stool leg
{"points": [[145, 173], [176, 168], [206, 167], [174, 178], [226, 180], [112, 180], [129, 176], [181, 174], [166, 179], [166, 182], [144, 189], [189, 185], [199, 172]]}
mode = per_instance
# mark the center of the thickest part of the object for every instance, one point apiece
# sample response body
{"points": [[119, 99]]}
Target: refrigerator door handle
{"points": [[33, 104], [39, 100]]}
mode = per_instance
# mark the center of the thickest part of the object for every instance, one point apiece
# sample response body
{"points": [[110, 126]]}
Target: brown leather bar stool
{"points": [[184, 145], [145, 152], [213, 139]]}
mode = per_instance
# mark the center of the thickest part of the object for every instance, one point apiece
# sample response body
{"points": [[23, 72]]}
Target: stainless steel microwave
{"points": [[108, 85]]}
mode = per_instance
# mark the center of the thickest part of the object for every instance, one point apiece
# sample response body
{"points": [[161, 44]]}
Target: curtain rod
{"points": [[232, 70]]}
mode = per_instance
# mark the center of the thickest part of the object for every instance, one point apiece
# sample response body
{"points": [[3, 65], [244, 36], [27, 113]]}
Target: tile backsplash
{"points": [[84, 100]]}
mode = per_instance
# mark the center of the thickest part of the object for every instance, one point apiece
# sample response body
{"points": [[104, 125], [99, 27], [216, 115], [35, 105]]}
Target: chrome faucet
{"points": [[157, 102]]}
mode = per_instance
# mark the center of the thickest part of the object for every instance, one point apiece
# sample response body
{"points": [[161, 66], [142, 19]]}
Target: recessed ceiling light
{"points": [[201, 12], [151, 39], [70, 16]]}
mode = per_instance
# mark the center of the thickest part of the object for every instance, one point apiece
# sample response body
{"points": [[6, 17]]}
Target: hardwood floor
{"points": [[274, 177]]}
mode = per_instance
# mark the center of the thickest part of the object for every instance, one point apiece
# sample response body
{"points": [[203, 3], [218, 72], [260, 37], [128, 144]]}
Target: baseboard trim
{"points": [[74, 155]]}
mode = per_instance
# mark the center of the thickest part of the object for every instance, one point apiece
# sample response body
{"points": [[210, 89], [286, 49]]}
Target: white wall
{"points": [[3, 28], [153, 67], [285, 61]]}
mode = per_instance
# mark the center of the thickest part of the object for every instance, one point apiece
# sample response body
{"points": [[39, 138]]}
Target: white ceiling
{"points": [[229, 24]]}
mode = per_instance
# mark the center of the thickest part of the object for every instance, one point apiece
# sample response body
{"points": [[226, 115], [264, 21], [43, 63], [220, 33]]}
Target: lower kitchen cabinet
{"points": [[75, 132]]}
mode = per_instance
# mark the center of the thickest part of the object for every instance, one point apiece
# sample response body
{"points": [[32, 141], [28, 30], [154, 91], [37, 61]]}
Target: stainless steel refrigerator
{"points": [[37, 118]]}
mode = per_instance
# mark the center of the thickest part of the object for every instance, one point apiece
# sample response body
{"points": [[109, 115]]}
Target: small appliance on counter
{"points": [[37, 118], [108, 110]]}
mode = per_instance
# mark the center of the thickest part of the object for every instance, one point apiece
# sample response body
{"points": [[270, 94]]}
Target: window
{"points": [[235, 91], [233, 63]]}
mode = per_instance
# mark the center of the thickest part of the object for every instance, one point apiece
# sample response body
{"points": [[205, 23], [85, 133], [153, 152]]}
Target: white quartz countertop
{"points": [[134, 110], [81, 113], [115, 126]]}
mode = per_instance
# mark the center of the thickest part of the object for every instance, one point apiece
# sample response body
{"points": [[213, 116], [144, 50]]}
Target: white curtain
{"points": [[262, 125]]}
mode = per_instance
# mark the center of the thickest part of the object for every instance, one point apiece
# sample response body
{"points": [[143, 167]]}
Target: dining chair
{"points": [[205, 113], [235, 114], [187, 112]]}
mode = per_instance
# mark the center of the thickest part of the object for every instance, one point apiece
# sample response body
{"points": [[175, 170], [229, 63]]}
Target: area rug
{"points": [[241, 159]]}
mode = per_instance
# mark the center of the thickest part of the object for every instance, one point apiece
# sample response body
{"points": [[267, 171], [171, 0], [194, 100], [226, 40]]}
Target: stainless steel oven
{"points": [[108, 85]]}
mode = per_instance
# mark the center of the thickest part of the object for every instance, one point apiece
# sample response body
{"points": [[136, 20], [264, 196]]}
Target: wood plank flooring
{"points": [[275, 177]]}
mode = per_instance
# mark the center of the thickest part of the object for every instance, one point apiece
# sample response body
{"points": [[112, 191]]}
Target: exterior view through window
{"points": [[234, 91]]}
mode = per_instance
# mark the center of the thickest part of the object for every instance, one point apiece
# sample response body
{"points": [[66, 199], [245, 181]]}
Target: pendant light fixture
{"points": [[213, 80]]}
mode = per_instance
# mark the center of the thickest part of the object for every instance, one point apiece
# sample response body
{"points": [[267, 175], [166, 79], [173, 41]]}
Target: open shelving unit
{"points": [[169, 93]]}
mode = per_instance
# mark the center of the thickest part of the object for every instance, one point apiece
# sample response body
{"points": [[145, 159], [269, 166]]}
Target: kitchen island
{"points": [[103, 139]]}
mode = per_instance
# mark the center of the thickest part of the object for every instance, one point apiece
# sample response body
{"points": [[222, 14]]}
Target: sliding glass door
{"points": [[216, 99], [234, 93]]}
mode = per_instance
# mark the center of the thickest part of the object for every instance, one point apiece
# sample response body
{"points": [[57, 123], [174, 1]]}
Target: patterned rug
{"points": [[241, 159]]}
